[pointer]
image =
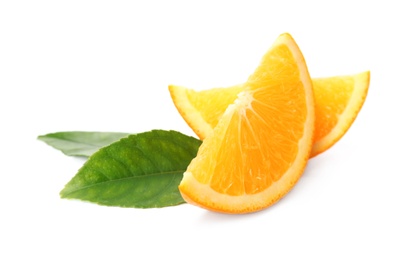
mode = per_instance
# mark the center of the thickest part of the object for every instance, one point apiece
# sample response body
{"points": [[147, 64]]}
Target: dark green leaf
{"points": [[142, 171], [80, 143]]}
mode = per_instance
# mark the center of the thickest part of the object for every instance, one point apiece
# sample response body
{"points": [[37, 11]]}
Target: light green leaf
{"points": [[142, 171], [80, 143]]}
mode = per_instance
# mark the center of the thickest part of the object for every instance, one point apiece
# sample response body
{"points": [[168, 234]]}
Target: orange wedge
{"points": [[338, 101], [260, 146]]}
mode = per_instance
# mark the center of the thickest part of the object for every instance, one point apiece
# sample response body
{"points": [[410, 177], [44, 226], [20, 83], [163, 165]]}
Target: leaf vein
{"points": [[122, 179]]}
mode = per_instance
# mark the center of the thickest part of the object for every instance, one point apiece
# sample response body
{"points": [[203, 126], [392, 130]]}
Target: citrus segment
{"points": [[260, 146], [338, 100], [202, 109]]}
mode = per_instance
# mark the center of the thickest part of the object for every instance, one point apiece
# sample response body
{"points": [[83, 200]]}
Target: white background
{"points": [[106, 65]]}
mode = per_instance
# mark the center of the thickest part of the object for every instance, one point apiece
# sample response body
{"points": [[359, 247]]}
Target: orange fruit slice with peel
{"points": [[260, 146], [202, 110], [338, 101]]}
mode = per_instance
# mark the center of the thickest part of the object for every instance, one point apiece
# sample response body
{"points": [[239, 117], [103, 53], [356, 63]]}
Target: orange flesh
{"points": [[216, 103], [265, 127], [330, 102]]}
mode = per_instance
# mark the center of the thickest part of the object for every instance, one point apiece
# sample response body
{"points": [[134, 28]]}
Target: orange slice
{"points": [[338, 101], [260, 146]]}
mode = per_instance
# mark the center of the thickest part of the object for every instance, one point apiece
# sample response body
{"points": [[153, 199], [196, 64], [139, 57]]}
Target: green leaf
{"points": [[80, 143], [141, 171]]}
